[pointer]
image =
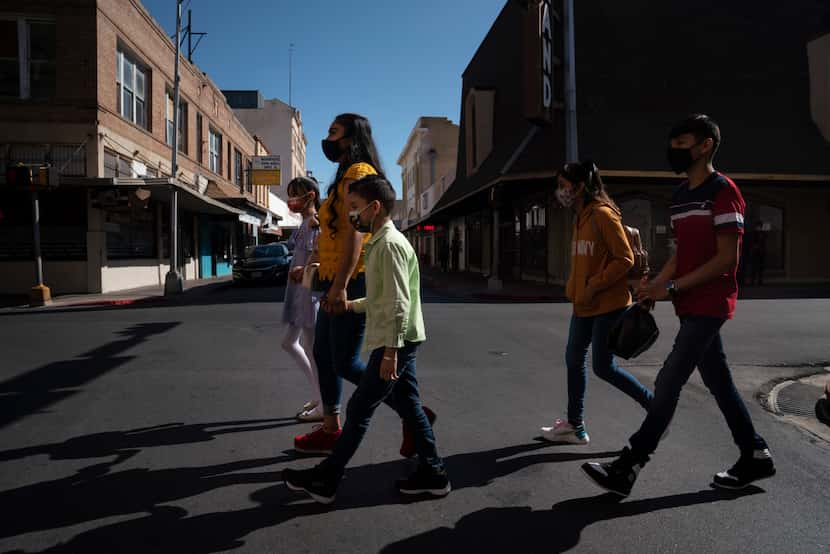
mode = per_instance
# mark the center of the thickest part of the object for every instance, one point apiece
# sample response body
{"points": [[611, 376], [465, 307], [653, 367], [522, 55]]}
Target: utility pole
{"points": [[40, 294], [173, 283], [571, 138]]}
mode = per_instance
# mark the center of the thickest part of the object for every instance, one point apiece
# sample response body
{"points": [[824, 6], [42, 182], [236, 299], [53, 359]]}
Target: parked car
{"points": [[263, 263]]}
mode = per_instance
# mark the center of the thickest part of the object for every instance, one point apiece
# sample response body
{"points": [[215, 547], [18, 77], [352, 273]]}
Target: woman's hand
{"points": [[296, 274], [336, 300], [389, 365], [587, 296]]}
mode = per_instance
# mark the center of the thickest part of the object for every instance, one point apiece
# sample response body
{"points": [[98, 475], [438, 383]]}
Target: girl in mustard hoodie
{"points": [[598, 289]]}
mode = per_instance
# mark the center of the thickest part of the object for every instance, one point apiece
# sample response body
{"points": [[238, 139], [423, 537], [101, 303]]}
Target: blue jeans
{"points": [[370, 393], [698, 344], [584, 332], [337, 343]]}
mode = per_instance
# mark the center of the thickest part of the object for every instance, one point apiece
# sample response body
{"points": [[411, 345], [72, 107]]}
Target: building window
{"points": [[200, 141], [171, 123], [131, 85], [249, 176], [27, 58], [237, 169], [229, 161], [215, 156]]}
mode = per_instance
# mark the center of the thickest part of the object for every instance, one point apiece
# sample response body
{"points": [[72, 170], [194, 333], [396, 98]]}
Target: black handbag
{"points": [[633, 333]]}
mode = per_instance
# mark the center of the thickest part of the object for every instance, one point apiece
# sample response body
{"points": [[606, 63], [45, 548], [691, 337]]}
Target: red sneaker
{"points": [[316, 442], [408, 443]]}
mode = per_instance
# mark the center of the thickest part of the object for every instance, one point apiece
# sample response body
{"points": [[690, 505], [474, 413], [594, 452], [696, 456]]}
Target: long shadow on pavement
{"points": [[126, 444], [83, 498], [559, 529], [42, 387]]}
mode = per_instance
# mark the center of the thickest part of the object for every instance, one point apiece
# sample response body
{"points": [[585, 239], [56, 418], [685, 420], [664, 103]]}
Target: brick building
{"points": [[86, 87]]}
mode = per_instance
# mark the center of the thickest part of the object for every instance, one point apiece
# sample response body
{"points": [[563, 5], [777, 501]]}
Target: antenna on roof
{"points": [[191, 48], [290, 72]]}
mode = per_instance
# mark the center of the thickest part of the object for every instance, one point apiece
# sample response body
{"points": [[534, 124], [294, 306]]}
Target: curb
{"points": [[768, 395]]}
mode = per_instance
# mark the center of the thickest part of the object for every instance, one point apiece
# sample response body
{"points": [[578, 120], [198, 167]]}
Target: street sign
{"points": [[266, 171]]}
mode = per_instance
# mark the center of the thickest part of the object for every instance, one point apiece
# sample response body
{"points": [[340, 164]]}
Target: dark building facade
{"points": [[641, 66]]}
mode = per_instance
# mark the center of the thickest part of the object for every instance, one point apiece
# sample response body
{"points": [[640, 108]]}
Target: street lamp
{"points": [[173, 283]]}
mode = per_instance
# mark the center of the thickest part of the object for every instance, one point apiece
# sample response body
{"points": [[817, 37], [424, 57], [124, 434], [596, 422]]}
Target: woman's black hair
{"points": [[362, 149], [304, 185], [587, 172]]}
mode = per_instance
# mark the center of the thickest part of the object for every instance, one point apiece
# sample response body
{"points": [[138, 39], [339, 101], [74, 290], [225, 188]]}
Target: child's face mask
{"points": [[360, 225], [297, 204]]}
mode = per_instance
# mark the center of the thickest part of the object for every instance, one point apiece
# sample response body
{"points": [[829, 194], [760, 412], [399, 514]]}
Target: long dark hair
{"points": [[587, 172], [362, 149], [303, 185]]}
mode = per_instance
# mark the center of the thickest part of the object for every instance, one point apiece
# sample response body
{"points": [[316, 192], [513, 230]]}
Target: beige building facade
{"points": [[428, 166]]}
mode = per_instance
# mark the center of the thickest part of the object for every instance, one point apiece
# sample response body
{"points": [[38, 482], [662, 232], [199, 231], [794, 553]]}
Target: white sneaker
{"points": [[310, 415], [308, 406], [563, 432]]}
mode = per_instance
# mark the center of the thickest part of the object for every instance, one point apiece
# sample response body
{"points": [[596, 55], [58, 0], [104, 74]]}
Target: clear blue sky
{"points": [[391, 60]]}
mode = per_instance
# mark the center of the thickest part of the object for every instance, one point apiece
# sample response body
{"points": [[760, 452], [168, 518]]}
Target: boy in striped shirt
{"points": [[707, 219]]}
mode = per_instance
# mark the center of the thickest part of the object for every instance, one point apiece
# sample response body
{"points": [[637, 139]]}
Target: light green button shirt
{"points": [[393, 292]]}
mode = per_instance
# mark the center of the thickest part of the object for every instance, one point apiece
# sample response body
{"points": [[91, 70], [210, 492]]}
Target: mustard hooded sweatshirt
{"points": [[600, 261]]}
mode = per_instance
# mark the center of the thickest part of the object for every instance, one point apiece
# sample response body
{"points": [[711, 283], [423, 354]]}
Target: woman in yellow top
{"points": [[338, 333], [600, 260]]}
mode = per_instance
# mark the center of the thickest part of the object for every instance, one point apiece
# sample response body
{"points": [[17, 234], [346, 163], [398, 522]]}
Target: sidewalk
{"points": [[472, 287], [142, 295]]}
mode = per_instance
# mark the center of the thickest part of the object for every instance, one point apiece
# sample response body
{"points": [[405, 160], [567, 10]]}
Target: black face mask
{"points": [[332, 150], [680, 159]]}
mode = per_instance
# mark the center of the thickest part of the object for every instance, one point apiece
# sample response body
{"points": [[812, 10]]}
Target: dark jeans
{"points": [[698, 344], [587, 331], [337, 343], [373, 390]]}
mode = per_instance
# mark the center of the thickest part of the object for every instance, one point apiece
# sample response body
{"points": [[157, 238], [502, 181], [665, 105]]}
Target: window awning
{"points": [[159, 188]]}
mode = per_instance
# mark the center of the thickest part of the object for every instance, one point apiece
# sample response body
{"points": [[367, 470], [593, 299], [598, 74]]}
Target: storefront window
{"points": [[764, 235], [62, 229], [534, 239], [131, 230], [475, 240]]}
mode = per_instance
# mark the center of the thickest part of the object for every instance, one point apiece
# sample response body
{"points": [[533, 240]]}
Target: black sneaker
{"points": [[319, 485], [750, 468], [617, 477], [426, 480]]}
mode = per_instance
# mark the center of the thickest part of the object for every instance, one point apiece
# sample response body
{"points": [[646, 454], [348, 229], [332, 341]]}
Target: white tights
{"points": [[303, 354]]}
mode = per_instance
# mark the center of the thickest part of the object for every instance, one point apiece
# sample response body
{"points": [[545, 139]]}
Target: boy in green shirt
{"points": [[394, 329]]}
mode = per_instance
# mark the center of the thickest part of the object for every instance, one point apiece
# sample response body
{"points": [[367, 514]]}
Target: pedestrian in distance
{"points": [[394, 330], [339, 333], [707, 221], [598, 288], [300, 307]]}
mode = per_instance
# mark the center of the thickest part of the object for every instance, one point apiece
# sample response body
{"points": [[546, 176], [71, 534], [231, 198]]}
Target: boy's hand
{"points": [[296, 274], [651, 291], [389, 365]]}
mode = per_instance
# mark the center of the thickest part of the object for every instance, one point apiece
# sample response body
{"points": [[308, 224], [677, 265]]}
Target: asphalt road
{"points": [[165, 429]]}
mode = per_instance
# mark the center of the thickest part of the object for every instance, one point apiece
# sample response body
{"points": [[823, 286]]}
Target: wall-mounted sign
{"points": [[266, 171], [539, 61]]}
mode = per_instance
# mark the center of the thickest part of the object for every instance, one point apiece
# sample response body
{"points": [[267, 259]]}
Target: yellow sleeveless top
{"points": [[330, 247]]}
